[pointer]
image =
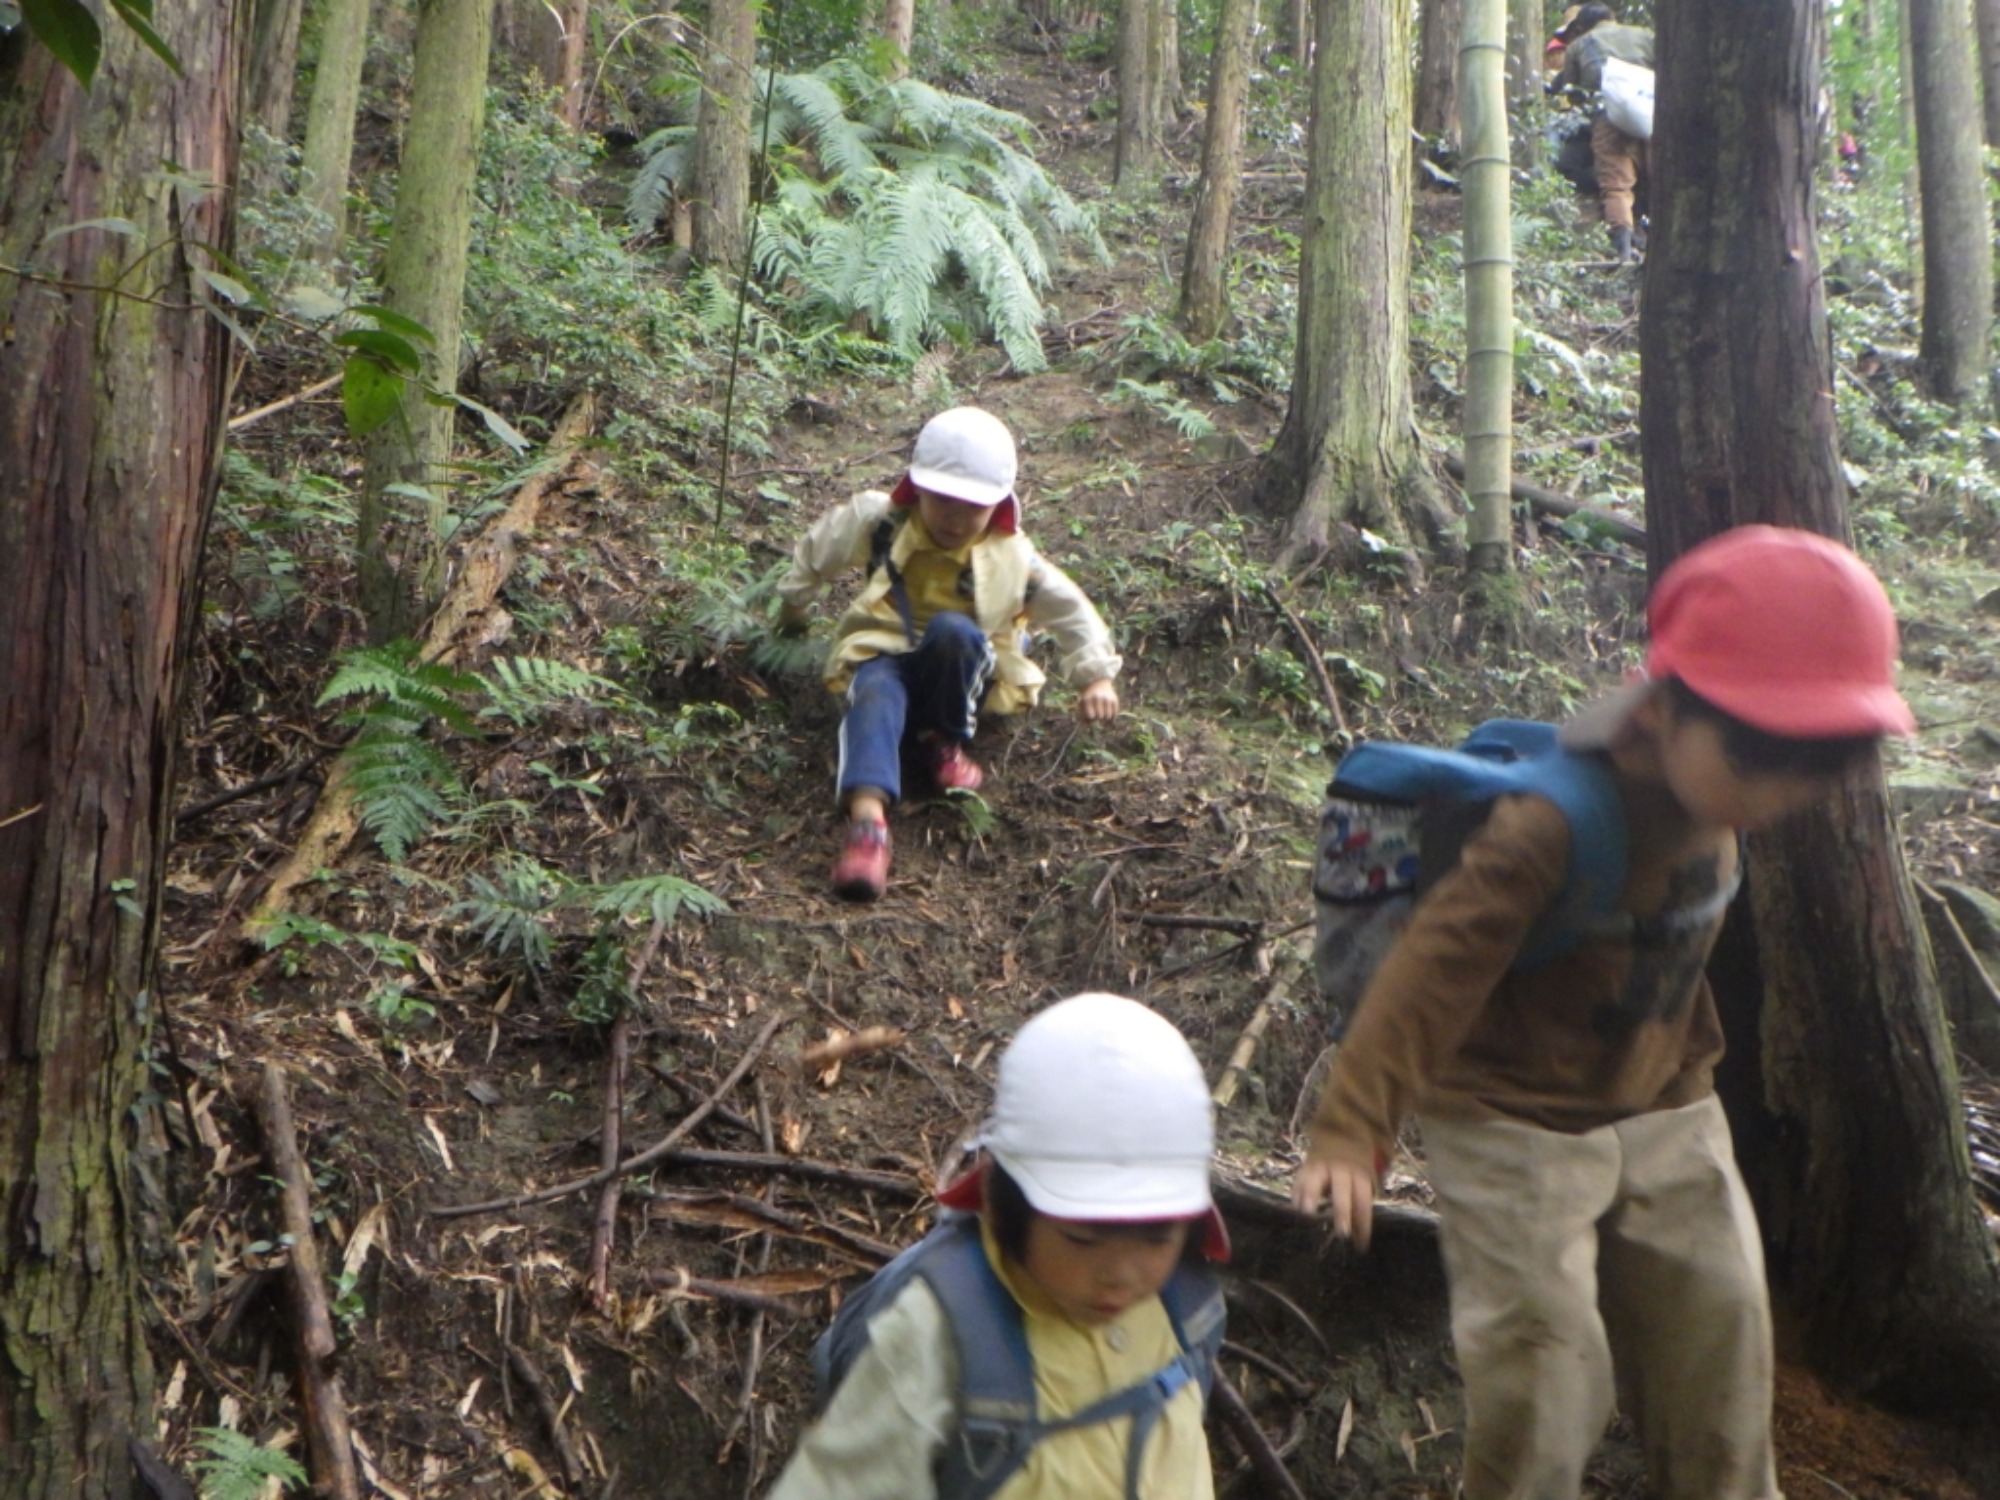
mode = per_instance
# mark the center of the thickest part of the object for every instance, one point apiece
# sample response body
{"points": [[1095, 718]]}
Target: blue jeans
{"points": [[936, 687]]}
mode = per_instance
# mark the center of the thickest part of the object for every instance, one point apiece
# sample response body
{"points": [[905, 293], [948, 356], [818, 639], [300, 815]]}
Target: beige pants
{"points": [[1618, 159], [1633, 1242]]}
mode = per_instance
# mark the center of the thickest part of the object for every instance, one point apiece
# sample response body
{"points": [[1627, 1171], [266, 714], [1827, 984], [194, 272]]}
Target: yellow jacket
{"points": [[1013, 589]]}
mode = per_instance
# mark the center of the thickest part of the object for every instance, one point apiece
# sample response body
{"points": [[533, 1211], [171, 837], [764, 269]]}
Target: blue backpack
{"points": [[1396, 817], [997, 1421]]}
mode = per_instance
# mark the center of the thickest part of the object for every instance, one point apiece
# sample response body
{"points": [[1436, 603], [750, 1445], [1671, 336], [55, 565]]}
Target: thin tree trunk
{"points": [[1489, 288], [1851, 1134], [1299, 30], [1958, 229], [899, 30], [1436, 108], [721, 187], [401, 544], [111, 409], [1986, 17], [1526, 37], [336, 95], [274, 65], [548, 39], [1166, 69], [1202, 280], [1346, 457], [1136, 149]]}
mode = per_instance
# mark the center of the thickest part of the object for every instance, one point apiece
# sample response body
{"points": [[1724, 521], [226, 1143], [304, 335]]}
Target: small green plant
{"points": [[292, 934], [236, 1467], [975, 809], [1160, 399]]}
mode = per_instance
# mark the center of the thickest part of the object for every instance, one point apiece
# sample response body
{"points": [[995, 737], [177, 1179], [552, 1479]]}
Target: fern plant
{"points": [[401, 781], [893, 202], [236, 1467]]}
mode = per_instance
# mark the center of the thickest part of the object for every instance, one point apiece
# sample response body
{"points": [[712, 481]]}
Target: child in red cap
{"points": [[939, 631], [1591, 1212]]}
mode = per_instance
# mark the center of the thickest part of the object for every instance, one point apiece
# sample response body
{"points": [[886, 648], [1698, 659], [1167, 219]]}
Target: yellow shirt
{"points": [[880, 1437]]}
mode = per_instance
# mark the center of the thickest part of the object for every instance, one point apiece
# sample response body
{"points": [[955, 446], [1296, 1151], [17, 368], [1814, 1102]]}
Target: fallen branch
{"points": [[208, 805], [1241, 926], [901, 1185], [327, 1436], [1550, 503], [1239, 1199], [1276, 1478], [283, 403], [679, 1283], [1314, 659], [851, 1044], [1232, 1077], [645, 1158], [487, 563], [740, 1211], [551, 1410], [618, 1056]]}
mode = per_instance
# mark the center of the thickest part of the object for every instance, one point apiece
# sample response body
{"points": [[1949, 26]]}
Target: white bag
{"points": [[1628, 97]]}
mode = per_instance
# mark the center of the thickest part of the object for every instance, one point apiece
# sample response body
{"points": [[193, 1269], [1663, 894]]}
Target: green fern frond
{"points": [[840, 142], [402, 785], [237, 1467], [660, 898], [399, 679], [521, 688], [1005, 292], [508, 912], [668, 156]]}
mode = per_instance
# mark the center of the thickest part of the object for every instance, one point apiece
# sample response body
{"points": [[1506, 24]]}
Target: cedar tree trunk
{"points": [[1436, 108], [1958, 227], [401, 542], [721, 187], [111, 410], [336, 95], [1202, 296], [1136, 147], [1852, 1135]]}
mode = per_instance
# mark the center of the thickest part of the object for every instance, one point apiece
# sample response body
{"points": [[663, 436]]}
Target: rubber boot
{"points": [[1621, 244]]}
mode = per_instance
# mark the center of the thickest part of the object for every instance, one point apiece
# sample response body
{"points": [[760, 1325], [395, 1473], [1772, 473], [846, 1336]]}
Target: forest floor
{"points": [[1164, 855]]}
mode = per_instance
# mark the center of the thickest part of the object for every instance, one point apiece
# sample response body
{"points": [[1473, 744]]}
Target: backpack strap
{"points": [[881, 546], [996, 1373]]}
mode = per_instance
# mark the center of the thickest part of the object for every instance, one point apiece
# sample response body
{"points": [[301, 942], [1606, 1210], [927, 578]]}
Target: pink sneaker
{"points": [[953, 770], [862, 871]]}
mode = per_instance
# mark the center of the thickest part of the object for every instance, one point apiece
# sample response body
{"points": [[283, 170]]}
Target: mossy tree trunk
{"points": [[401, 543], [1489, 287], [1203, 299], [1136, 144], [1347, 456], [1845, 1092], [1958, 226], [274, 65], [111, 412], [1435, 111], [721, 186], [336, 96]]}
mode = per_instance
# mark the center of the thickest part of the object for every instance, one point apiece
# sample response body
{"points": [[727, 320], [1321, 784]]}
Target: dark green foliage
{"points": [[236, 1467], [913, 209]]}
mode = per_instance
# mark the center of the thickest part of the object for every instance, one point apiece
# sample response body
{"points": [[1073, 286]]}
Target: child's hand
{"points": [[1350, 1190], [1097, 702], [793, 618]]}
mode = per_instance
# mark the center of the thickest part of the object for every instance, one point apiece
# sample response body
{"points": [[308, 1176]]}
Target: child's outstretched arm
{"points": [[1089, 661], [837, 543]]}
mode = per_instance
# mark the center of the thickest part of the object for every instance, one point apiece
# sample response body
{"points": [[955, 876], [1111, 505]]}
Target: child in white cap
{"points": [[938, 632], [1589, 1204], [1056, 1335]]}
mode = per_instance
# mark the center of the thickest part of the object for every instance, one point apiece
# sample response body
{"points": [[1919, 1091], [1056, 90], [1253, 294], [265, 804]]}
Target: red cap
{"points": [[1784, 629]]}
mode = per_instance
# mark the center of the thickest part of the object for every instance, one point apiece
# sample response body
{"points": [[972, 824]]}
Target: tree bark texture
{"points": [[1436, 108], [1986, 20], [274, 65], [1527, 35], [548, 39], [1854, 1139], [1202, 276], [1957, 225], [1489, 287], [423, 277], [1136, 146], [721, 194], [1346, 456], [111, 413], [899, 30], [336, 95]]}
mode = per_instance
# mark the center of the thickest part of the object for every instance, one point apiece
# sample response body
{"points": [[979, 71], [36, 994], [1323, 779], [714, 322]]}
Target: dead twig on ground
{"points": [[552, 1413], [853, 1044], [1241, 926], [283, 403], [1549, 503], [1289, 964], [328, 1438], [739, 1210], [645, 1158], [1315, 660], [618, 1055], [1277, 1479], [798, 1166], [739, 1294]]}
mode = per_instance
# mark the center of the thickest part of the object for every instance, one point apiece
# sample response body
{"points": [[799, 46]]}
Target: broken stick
{"points": [[1246, 1045], [327, 1437], [849, 1044], [1229, 1405]]}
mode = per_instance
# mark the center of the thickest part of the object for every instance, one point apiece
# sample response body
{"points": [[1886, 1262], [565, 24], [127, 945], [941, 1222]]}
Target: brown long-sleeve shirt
{"points": [[1612, 1030]]}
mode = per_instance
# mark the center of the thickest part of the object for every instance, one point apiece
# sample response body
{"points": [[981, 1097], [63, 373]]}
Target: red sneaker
{"points": [[953, 770], [862, 871]]}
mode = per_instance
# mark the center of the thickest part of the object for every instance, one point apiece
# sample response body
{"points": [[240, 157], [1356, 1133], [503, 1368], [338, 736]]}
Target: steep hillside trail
{"points": [[1163, 856]]}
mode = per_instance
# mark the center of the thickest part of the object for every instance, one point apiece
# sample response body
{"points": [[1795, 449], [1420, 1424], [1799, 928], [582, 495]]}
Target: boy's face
{"points": [[1708, 784], [1094, 1271], [952, 523]]}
